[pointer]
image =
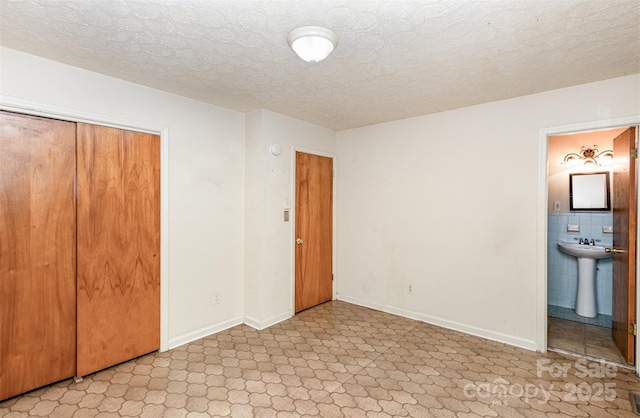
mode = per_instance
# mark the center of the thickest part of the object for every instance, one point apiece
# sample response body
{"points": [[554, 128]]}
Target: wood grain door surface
{"points": [[624, 238], [37, 252], [118, 283], [314, 230]]}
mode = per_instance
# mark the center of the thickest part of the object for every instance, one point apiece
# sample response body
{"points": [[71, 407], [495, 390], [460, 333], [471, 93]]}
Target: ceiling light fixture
{"points": [[312, 43], [590, 157]]}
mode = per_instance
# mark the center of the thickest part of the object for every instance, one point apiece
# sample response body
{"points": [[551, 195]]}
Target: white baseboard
{"points": [[204, 332], [444, 323], [259, 325]]}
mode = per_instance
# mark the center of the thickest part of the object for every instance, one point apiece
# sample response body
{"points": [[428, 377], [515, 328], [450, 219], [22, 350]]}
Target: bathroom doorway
{"points": [[592, 316]]}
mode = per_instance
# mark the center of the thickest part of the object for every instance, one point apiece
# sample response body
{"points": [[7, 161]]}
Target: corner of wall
{"points": [[262, 324], [268, 188], [253, 212]]}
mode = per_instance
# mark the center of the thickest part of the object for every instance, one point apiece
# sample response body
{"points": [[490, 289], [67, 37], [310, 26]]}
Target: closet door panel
{"points": [[37, 252], [118, 246]]}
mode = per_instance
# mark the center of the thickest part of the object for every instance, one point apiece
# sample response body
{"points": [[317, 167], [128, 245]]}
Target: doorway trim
{"points": [[292, 217], [541, 235], [74, 115]]}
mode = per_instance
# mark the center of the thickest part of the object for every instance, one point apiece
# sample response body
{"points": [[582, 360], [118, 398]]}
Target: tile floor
{"points": [[340, 360], [560, 312], [583, 339]]}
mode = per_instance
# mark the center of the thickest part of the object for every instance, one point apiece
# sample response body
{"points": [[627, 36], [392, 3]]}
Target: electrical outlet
{"points": [[216, 298], [410, 289]]}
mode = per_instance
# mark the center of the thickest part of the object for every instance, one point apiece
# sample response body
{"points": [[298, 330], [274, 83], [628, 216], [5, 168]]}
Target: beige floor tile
{"points": [[342, 360]]}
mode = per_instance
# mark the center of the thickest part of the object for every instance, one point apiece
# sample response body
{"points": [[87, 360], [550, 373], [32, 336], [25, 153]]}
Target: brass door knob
{"points": [[299, 241]]}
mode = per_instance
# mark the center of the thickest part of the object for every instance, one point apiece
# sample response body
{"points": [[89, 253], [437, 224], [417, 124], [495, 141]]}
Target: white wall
{"points": [[205, 181], [447, 203], [269, 240], [444, 202]]}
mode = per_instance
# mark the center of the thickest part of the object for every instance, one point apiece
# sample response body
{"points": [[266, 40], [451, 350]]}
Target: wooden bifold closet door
{"points": [[118, 246], [37, 252]]}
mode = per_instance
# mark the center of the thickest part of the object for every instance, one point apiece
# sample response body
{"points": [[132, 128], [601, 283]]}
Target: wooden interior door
{"points": [[118, 246], [624, 239], [37, 252], [314, 230]]}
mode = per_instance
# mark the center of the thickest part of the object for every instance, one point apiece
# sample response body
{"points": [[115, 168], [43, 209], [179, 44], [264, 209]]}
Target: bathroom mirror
{"points": [[589, 191]]}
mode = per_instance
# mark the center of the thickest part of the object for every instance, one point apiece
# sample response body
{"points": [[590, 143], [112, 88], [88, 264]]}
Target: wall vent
{"points": [[635, 402]]}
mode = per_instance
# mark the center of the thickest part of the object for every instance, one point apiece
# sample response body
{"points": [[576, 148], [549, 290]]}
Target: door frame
{"points": [[292, 218], [542, 214], [75, 115]]}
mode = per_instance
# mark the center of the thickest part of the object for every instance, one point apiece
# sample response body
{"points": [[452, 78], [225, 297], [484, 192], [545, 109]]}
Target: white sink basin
{"points": [[586, 291], [595, 252]]}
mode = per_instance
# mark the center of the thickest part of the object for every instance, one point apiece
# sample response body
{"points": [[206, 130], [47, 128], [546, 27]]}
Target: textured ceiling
{"points": [[395, 59]]}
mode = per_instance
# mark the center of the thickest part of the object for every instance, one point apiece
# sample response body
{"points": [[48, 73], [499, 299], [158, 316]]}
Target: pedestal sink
{"points": [[587, 256]]}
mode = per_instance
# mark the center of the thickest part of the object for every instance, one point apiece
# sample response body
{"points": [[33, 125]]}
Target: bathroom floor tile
{"points": [[600, 344], [584, 339], [567, 335], [569, 314]]}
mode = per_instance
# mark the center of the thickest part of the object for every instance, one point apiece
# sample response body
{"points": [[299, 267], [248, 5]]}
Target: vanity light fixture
{"points": [[589, 157], [312, 43]]}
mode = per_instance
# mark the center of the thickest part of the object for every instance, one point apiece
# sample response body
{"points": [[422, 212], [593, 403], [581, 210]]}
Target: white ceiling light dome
{"points": [[312, 43]]}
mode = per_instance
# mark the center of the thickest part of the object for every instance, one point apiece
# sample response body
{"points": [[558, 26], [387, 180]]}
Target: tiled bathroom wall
{"points": [[562, 269]]}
